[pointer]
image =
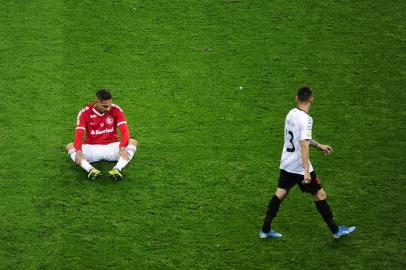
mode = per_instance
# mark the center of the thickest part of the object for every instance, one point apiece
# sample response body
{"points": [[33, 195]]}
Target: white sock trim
{"points": [[72, 154], [84, 164], [131, 149]]}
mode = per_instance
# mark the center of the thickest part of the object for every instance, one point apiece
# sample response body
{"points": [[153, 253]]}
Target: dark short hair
{"points": [[304, 93], [103, 94]]}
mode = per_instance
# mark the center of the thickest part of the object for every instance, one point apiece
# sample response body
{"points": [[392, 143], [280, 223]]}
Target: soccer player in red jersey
{"points": [[100, 120]]}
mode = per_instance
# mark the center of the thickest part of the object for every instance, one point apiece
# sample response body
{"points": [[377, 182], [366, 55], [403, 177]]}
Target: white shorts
{"points": [[97, 152]]}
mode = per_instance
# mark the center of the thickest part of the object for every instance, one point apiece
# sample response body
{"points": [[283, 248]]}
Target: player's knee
{"points": [[320, 195], [133, 142], [69, 146], [281, 193]]}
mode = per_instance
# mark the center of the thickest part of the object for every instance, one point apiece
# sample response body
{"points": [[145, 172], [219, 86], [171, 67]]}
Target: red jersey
{"points": [[100, 128]]}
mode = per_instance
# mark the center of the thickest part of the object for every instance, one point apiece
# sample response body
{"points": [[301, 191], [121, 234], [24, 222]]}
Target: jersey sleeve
{"points": [[122, 125], [306, 128], [80, 129], [81, 120], [119, 115], [125, 135], [78, 139]]}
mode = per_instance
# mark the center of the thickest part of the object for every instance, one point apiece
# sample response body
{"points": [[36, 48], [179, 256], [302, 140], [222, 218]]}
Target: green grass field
{"points": [[207, 164]]}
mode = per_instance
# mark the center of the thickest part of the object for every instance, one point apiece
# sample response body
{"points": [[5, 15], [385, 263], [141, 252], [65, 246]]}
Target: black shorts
{"points": [[287, 180]]}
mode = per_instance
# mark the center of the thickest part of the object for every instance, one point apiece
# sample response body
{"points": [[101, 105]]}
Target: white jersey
{"points": [[298, 126]]}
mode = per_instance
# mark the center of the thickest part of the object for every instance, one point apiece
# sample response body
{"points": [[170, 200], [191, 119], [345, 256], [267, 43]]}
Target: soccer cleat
{"points": [[342, 230], [93, 174], [115, 174], [270, 234]]}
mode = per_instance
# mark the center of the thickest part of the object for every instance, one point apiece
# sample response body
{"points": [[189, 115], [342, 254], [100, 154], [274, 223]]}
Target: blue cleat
{"points": [[342, 230], [270, 234]]}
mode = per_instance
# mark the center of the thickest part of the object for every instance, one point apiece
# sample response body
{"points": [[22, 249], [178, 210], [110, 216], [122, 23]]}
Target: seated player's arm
{"points": [[125, 133], [125, 136], [323, 147], [78, 144], [80, 131]]}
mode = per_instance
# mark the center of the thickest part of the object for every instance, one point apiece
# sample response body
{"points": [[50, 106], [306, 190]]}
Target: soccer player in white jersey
{"points": [[100, 120], [296, 168]]}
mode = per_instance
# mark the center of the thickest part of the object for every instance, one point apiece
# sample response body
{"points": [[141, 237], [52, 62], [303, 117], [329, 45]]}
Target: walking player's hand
{"points": [[307, 178], [78, 158], [326, 149], [124, 153]]}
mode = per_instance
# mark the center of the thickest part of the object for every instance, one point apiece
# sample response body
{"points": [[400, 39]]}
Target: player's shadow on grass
{"points": [[344, 242]]}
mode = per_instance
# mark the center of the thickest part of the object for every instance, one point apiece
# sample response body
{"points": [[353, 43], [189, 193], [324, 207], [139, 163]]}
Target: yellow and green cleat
{"points": [[93, 174], [115, 174]]}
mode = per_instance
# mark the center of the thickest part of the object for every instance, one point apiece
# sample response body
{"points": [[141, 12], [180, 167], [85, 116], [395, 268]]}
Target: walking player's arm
{"points": [[323, 147], [304, 150]]}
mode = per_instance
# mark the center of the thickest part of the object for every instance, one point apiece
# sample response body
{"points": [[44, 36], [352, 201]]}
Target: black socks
{"points": [[271, 212], [327, 215], [322, 207]]}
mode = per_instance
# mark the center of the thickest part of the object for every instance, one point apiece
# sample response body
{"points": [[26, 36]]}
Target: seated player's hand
{"points": [[79, 157], [124, 153], [326, 149]]}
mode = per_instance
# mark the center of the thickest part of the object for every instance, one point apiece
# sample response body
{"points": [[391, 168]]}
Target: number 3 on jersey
{"points": [[290, 149]]}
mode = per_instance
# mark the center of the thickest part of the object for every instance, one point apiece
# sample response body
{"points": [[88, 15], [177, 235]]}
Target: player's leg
{"points": [[320, 199], [93, 173], [122, 162], [131, 149], [70, 148], [285, 183], [273, 208], [319, 196]]}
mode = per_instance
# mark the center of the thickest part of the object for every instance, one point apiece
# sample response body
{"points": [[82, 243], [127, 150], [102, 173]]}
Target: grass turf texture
{"points": [[195, 195]]}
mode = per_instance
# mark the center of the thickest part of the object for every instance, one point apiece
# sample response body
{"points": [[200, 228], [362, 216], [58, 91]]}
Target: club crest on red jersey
{"points": [[109, 120]]}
